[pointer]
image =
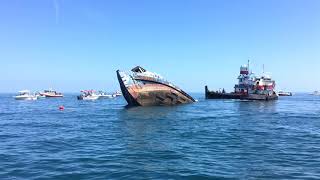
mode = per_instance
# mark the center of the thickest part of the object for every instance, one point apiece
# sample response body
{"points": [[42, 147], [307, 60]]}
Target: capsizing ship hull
{"points": [[138, 92]]}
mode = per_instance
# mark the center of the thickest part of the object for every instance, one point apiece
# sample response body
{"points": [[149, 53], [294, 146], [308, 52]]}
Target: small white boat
{"points": [[117, 93], [25, 95], [284, 93], [91, 97], [104, 95], [88, 95], [316, 93], [51, 93], [39, 95]]}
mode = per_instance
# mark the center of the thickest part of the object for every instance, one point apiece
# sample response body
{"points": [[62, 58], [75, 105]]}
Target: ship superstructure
{"points": [[245, 80], [262, 88]]}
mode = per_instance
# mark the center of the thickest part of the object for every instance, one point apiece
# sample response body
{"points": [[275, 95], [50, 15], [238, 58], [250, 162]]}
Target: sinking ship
{"points": [[144, 88]]}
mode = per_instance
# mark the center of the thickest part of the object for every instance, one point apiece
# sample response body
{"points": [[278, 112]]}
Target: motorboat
{"points": [[284, 93], [25, 95], [104, 95], [88, 95], [316, 93], [39, 95], [51, 93], [117, 94]]}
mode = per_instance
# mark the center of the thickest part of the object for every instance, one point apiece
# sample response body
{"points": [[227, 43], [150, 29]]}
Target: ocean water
{"points": [[210, 139]]}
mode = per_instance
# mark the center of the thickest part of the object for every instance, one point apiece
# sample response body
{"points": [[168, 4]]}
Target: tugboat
{"points": [[240, 89], [261, 88], [144, 88], [249, 87], [51, 93]]}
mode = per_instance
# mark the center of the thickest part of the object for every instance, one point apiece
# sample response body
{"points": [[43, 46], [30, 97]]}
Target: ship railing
{"points": [[153, 76]]}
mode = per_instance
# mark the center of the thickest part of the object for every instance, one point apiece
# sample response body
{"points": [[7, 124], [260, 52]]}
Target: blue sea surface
{"points": [[210, 139]]}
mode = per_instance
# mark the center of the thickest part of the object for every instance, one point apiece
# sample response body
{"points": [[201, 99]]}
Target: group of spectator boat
{"points": [[84, 95]]}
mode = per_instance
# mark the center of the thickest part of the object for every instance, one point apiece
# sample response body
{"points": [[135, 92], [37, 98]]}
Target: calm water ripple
{"points": [[206, 140]]}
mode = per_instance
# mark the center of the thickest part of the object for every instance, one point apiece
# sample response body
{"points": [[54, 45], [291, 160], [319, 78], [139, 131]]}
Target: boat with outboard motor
{"points": [[316, 93], [117, 94], [284, 93], [39, 96], [93, 95], [144, 88], [88, 95], [25, 95], [104, 95], [51, 93]]}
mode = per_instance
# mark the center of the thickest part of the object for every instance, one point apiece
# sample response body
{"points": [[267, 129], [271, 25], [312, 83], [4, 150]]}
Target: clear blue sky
{"points": [[79, 44]]}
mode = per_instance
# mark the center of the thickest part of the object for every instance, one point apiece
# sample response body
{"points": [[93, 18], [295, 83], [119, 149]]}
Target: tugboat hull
{"points": [[260, 97], [217, 95], [146, 92]]}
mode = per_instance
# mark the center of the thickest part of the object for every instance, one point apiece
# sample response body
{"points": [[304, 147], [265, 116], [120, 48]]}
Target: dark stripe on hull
{"points": [[131, 101]]}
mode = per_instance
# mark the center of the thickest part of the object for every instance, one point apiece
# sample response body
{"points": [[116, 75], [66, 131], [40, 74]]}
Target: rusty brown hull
{"points": [[150, 93], [157, 94]]}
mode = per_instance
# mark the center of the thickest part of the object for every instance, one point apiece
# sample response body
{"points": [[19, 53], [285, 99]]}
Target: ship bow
{"points": [[124, 80]]}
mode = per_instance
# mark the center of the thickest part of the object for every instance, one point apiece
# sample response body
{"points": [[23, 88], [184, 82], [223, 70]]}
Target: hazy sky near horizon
{"points": [[71, 45]]}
